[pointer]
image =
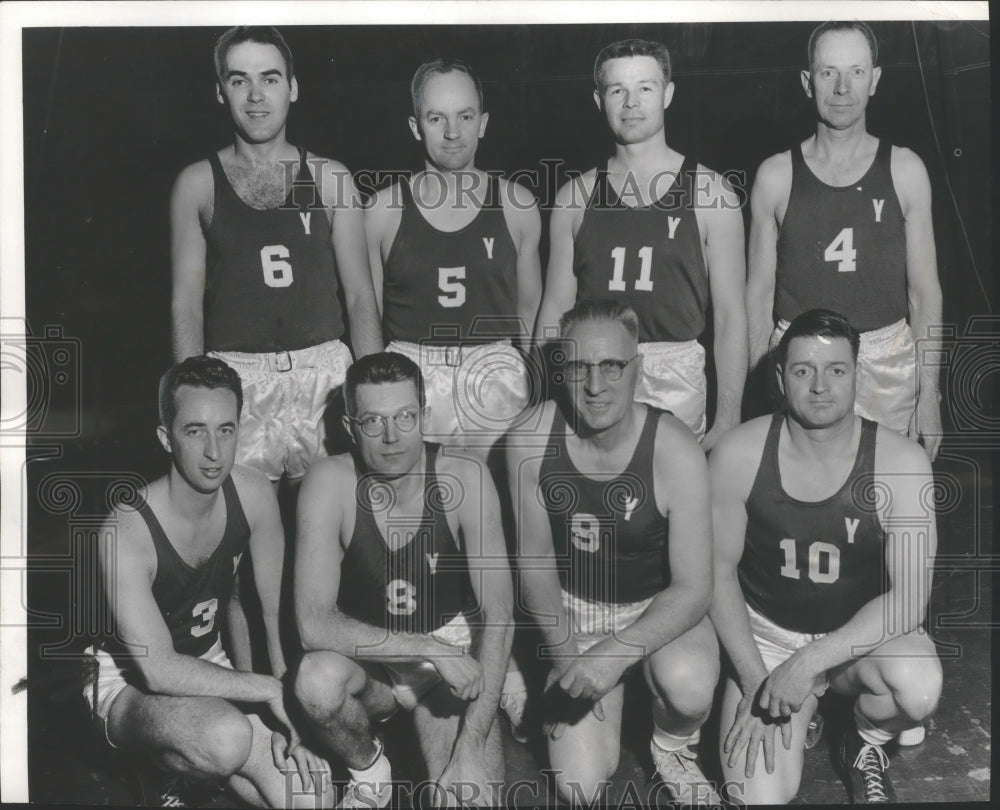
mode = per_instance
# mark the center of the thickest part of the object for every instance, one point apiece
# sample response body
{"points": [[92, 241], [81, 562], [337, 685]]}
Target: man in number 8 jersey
{"points": [[454, 260], [165, 689], [824, 546], [843, 221], [660, 233], [263, 232]]}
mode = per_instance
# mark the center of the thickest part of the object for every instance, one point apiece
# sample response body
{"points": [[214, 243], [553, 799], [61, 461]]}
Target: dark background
{"points": [[112, 115]]}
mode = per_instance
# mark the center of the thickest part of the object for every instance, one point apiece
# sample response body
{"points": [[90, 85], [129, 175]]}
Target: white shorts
{"points": [[673, 379], [593, 622], [777, 645], [285, 396], [411, 680], [111, 680], [474, 392], [887, 374]]}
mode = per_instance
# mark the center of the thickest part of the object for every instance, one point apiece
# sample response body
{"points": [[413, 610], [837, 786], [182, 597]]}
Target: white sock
{"points": [[513, 681], [868, 731], [666, 740], [379, 772]]}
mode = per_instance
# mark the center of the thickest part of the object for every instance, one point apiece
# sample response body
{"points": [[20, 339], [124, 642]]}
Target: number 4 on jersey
{"points": [[841, 250]]}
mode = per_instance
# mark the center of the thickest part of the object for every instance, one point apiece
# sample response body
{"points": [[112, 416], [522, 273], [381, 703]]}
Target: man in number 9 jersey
{"points": [[842, 221], [824, 546], [655, 230]]}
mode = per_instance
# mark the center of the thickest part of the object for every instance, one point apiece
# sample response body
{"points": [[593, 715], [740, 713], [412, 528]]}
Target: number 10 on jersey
{"points": [[644, 282]]}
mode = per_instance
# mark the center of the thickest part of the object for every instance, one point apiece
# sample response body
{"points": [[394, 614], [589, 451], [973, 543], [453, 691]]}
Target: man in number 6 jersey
{"points": [[263, 234], [454, 260], [842, 221], [165, 688], [824, 546], [660, 233]]}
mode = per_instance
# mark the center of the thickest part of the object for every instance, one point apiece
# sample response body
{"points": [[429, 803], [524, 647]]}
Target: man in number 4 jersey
{"points": [[843, 221], [824, 547], [262, 234], [659, 232]]}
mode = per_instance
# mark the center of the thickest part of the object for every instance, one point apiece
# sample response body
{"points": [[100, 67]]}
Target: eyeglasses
{"points": [[611, 370], [374, 425]]}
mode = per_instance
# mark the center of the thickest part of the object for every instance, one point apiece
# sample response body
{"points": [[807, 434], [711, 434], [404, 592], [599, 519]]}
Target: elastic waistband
{"points": [[283, 360], [668, 347], [883, 334]]}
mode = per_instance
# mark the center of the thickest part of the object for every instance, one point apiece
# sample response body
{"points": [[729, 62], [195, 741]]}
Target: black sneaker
{"points": [[864, 768]]}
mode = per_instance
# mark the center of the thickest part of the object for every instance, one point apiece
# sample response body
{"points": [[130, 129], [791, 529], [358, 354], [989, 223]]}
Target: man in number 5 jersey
{"points": [[454, 260], [843, 221], [262, 233], [659, 232], [824, 548]]}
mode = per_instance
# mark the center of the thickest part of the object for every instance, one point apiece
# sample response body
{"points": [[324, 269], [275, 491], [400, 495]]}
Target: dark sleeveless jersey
{"points": [[649, 257], [443, 288], [610, 540], [843, 247], [421, 585], [193, 601], [271, 277], [810, 566]]}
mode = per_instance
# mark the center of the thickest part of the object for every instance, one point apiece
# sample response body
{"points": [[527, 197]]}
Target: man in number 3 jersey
{"points": [[843, 221]]}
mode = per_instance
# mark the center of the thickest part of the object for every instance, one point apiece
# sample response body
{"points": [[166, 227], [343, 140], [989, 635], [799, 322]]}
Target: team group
{"points": [[797, 558]]}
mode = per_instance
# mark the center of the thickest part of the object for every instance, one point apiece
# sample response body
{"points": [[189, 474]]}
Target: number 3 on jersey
{"points": [[841, 250], [277, 272], [644, 282], [450, 283]]}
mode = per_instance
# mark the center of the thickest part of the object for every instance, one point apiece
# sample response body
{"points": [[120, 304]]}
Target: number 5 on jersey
{"points": [[450, 284], [277, 272]]}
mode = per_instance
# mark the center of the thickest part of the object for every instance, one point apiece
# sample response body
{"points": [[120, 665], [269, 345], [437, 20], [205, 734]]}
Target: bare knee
{"points": [[582, 785], [915, 683], [771, 790], [223, 744], [686, 685], [323, 682]]}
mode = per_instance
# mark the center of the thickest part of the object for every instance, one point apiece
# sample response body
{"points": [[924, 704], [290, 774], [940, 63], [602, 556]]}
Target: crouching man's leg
{"points": [[682, 676], [339, 699], [206, 739], [897, 687]]}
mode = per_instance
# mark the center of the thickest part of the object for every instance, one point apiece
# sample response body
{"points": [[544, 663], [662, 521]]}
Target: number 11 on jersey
{"points": [[644, 282]]}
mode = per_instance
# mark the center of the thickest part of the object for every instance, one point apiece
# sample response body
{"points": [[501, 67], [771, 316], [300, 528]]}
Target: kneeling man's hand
{"points": [[462, 672], [788, 686]]}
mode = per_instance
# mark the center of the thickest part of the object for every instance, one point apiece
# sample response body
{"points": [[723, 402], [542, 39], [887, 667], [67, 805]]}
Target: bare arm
{"points": [[923, 291], [525, 225], [486, 552], [771, 185], [560, 282], [724, 245], [347, 236], [187, 260], [535, 553], [128, 577], [267, 550], [318, 555], [682, 488]]}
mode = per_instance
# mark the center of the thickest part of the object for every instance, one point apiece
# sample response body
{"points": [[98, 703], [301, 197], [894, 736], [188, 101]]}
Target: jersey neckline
{"points": [[850, 186]]}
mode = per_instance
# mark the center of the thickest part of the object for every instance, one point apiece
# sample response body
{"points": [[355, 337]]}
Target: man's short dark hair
{"points": [[604, 309], [200, 371], [443, 64], [842, 25], [382, 367], [262, 34], [818, 323], [632, 47]]}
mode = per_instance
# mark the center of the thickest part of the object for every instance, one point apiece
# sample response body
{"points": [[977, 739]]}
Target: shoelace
{"points": [[868, 761]]}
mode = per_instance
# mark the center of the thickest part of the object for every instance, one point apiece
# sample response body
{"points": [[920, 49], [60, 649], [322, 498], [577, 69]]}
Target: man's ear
{"points": [[781, 380], [218, 93], [806, 77], [346, 422], [294, 94], [415, 128], [164, 436], [876, 75]]}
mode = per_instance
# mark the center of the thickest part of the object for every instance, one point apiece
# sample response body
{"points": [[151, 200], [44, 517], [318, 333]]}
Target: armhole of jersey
{"points": [[236, 516], [768, 465], [218, 178], [798, 165]]}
